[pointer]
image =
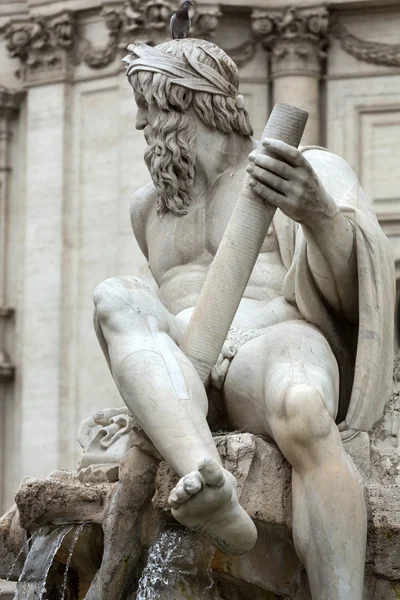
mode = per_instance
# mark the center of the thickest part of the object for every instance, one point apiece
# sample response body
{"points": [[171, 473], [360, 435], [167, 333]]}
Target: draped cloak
{"points": [[364, 352]]}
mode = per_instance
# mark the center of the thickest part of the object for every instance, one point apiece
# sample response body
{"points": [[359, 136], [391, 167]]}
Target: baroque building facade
{"points": [[70, 159]]}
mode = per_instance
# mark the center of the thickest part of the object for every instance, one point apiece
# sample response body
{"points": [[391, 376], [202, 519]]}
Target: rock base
{"points": [[133, 511]]}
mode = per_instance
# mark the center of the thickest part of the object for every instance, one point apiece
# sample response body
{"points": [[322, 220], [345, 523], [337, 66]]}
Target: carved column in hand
{"points": [[296, 39]]}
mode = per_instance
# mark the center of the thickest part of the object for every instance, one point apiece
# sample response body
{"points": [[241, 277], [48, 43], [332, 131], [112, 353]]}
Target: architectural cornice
{"points": [[49, 47]]}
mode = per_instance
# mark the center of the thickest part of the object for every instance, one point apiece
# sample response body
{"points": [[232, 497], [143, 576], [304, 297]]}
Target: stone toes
{"points": [[211, 472], [173, 500], [181, 493], [192, 483]]}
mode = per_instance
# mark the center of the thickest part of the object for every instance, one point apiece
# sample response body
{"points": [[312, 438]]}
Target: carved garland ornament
{"points": [[137, 18], [370, 52]]}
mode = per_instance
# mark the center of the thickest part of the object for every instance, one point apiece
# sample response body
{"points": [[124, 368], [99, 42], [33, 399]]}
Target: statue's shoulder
{"points": [[324, 159], [334, 172], [143, 201]]}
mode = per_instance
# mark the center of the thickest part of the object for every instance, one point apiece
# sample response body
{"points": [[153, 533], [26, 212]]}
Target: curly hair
{"points": [[170, 155]]}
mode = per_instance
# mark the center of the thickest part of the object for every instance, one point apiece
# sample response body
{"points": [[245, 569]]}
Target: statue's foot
{"points": [[206, 501]]}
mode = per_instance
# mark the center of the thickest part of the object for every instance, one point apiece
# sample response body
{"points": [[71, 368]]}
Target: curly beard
{"points": [[170, 158]]}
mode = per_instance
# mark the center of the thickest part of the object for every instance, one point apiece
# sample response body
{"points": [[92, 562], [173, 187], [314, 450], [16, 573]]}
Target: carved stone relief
{"points": [[49, 47], [148, 20], [296, 38], [370, 52], [42, 45]]}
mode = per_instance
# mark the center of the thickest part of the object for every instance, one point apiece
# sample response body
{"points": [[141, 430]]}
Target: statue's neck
{"points": [[217, 153]]}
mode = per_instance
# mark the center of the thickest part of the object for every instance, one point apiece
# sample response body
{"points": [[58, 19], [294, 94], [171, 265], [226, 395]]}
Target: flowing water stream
{"points": [[71, 551], [32, 582], [178, 567], [18, 557]]}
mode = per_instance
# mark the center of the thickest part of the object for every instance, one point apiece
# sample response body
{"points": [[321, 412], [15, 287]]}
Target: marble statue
{"points": [[309, 357]]}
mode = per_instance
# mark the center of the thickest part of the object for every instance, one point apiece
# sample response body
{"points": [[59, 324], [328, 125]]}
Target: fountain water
{"points": [[32, 581], [178, 568], [71, 551], [32, 537]]}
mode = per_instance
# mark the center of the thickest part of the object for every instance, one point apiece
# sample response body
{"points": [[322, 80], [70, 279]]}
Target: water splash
{"points": [[179, 564], [32, 581], [7, 579], [71, 551]]}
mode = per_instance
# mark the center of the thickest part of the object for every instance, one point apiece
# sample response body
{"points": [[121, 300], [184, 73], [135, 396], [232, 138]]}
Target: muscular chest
{"points": [[194, 238]]}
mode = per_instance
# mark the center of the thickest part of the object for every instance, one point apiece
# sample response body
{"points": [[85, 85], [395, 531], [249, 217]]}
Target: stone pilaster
{"points": [[10, 101], [296, 39], [46, 47]]}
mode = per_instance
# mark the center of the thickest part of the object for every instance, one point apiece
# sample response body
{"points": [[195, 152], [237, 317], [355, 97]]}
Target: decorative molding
{"points": [[371, 52], [125, 23], [43, 45], [49, 47], [296, 38], [149, 20]]}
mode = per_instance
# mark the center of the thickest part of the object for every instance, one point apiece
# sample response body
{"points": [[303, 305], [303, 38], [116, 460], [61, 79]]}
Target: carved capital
{"points": [[43, 45], [295, 37], [206, 20], [371, 52]]}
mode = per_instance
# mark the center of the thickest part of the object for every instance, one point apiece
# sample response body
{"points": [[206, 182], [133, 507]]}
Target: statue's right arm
{"points": [[141, 204]]}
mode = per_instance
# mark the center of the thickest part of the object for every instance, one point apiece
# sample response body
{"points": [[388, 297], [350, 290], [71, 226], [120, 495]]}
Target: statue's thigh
{"points": [[264, 369], [127, 305]]}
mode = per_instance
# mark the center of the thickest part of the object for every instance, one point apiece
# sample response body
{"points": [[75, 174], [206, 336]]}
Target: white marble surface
{"points": [[108, 168]]}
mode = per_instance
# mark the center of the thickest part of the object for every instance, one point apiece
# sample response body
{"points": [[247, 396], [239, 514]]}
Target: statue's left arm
{"points": [[293, 183]]}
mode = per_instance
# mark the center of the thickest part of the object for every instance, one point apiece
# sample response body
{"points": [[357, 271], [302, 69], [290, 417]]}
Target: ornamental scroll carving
{"points": [[49, 47], [43, 45], [296, 38], [370, 52]]}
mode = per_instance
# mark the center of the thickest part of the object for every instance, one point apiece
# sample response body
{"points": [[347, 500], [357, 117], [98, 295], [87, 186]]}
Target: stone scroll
{"points": [[237, 254]]}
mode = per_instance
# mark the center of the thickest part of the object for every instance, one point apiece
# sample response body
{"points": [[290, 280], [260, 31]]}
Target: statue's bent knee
{"points": [[119, 295], [306, 417]]}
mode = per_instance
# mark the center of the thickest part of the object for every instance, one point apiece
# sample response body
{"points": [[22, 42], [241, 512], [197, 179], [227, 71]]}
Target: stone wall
{"points": [[70, 160]]}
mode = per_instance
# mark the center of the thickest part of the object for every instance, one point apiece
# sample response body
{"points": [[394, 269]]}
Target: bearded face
{"points": [[170, 158]]}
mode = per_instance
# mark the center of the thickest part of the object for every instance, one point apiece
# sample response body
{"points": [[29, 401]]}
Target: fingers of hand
{"points": [[291, 155], [268, 178], [272, 164], [269, 196]]}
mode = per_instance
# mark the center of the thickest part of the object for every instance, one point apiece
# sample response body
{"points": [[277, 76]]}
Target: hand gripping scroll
{"points": [[236, 256]]}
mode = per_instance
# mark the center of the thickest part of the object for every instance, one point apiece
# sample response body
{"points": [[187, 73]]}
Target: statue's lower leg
{"points": [[329, 514], [165, 395]]}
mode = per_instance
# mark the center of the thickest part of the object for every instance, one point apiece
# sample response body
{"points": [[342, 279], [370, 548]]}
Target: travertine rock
{"points": [[13, 539], [130, 523]]}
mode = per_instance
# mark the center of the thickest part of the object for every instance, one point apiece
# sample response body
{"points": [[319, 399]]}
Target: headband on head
{"points": [[186, 72]]}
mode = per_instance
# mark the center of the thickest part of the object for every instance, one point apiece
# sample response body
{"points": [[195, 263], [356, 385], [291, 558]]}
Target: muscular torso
{"points": [[181, 249]]}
